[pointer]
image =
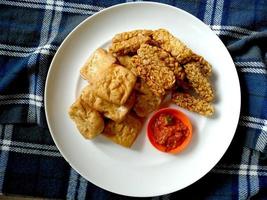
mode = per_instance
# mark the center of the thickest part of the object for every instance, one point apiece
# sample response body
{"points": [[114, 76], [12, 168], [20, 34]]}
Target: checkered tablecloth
{"points": [[30, 164]]}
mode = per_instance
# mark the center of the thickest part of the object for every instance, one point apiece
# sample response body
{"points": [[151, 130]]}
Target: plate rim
{"points": [[60, 49]]}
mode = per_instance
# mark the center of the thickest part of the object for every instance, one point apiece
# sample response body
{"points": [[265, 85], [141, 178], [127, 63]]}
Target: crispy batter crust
{"points": [[172, 45], [193, 104], [153, 70], [127, 35], [129, 46], [204, 66], [199, 82]]}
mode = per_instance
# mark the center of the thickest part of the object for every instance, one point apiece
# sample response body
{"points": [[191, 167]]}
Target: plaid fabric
{"points": [[30, 164]]}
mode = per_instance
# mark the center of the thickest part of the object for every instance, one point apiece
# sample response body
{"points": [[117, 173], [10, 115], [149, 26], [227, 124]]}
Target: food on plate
{"points": [[129, 46], [129, 42], [157, 53], [99, 61], [173, 45], [127, 62], [110, 110], [88, 121], [200, 83], [115, 84], [130, 34], [193, 104], [123, 133], [169, 130], [141, 71], [153, 70], [146, 101], [203, 65]]}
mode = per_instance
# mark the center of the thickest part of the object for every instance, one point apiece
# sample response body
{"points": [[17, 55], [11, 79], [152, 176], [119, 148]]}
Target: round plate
{"points": [[142, 170]]}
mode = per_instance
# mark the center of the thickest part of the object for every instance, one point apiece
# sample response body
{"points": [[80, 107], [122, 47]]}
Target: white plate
{"points": [[141, 171]]}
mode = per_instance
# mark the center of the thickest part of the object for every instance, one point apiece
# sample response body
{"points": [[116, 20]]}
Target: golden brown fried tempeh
{"points": [[154, 71], [127, 35], [128, 46], [199, 82], [204, 66], [172, 45], [192, 103]]}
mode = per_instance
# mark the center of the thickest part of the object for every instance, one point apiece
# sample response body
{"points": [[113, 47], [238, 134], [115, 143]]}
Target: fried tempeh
{"points": [[130, 34], [172, 45], [193, 104], [115, 84], [88, 121], [96, 63], [154, 71], [110, 110], [125, 132], [129, 46], [179, 50], [200, 83], [203, 65]]}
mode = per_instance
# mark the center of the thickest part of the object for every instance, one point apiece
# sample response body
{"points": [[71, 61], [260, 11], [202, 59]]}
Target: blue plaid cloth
{"points": [[30, 164]]}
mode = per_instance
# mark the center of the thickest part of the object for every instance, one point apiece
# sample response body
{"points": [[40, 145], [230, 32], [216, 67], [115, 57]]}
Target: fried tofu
{"points": [[88, 121], [115, 84], [146, 101], [125, 132], [127, 62], [110, 110], [99, 61], [130, 34]]}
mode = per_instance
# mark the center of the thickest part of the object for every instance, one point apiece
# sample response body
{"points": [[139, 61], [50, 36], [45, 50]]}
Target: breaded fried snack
{"points": [[152, 70], [130, 34], [88, 121], [125, 132], [97, 62], [172, 45], [193, 104], [110, 110], [199, 82], [179, 50], [203, 65], [128, 42], [115, 84]]}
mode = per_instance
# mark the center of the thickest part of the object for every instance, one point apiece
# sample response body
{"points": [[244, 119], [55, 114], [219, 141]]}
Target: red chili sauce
{"points": [[169, 131]]}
